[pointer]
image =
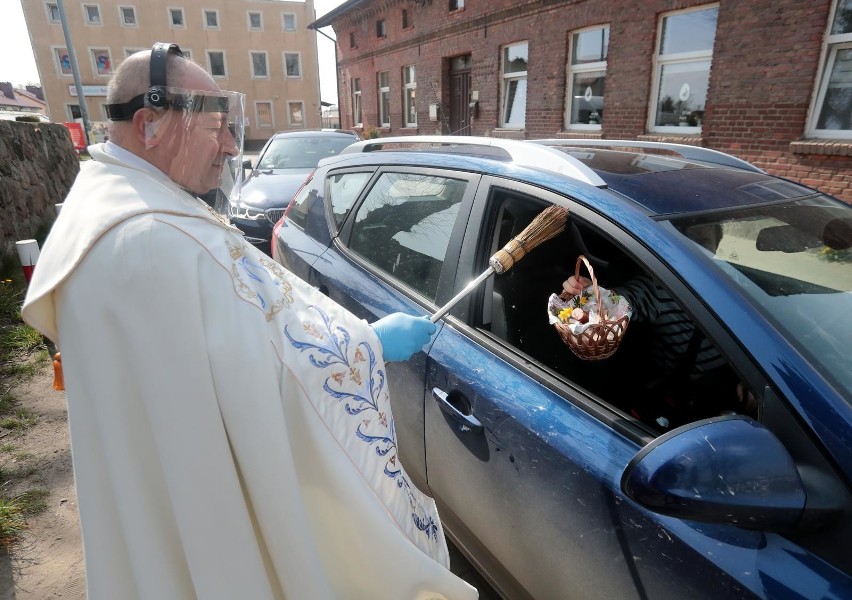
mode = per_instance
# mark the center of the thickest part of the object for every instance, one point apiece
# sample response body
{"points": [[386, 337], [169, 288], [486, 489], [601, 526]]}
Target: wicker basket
{"points": [[597, 340]]}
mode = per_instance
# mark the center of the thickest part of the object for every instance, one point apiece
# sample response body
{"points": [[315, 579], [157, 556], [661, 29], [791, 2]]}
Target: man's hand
{"points": [[402, 335], [574, 285]]}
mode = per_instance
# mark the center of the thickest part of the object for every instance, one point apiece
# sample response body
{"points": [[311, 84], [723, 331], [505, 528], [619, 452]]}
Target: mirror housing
{"points": [[727, 469]]}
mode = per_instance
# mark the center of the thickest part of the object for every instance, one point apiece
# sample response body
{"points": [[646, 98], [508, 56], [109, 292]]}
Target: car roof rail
{"points": [[684, 150], [520, 152]]}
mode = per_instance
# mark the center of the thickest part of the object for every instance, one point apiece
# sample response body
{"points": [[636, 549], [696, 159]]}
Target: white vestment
{"points": [[231, 428]]}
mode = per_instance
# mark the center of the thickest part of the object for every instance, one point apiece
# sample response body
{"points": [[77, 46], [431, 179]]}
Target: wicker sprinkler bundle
{"points": [[596, 340], [548, 224]]}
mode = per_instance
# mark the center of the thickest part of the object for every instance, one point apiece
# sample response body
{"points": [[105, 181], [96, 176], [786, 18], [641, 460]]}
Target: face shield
{"points": [[202, 134]]}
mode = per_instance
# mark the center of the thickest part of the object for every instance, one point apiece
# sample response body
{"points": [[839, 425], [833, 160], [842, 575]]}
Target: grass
{"points": [[22, 353]]}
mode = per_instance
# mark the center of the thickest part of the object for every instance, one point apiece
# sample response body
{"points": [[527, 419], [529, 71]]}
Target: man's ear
{"points": [[145, 126]]}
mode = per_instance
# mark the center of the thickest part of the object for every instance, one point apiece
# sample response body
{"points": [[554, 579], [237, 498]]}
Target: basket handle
{"points": [[582, 260]]}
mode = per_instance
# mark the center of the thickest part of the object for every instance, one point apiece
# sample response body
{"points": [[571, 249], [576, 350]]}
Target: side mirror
{"points": [[721, 470], [247, 164]]}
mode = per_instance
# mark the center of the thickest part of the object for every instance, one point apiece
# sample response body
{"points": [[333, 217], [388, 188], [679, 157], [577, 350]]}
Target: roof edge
{"points": [[327, 18]]}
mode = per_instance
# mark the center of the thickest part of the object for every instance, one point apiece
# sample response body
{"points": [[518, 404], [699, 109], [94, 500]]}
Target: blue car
{"points": [[619, 477]]}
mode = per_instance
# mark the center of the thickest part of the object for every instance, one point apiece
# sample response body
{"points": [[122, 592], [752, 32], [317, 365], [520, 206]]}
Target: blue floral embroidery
{"points": [[330, 348]]}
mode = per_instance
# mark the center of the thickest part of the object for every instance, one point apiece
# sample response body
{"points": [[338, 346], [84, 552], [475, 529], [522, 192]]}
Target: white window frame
{"points": [[297, 55], [832, 43], [249, 14], [357, 105], [290, 113], [257, 118], [507, 78], [409, 86], [69, 113], [284, 21], [207, 11], [57, 64], [579, 69], [170, 16], [681, 58], [94, 62], [121, 20], [265, 55], [224, 62], [50, 18], [87, 20], [456, 5], [383, 91]]}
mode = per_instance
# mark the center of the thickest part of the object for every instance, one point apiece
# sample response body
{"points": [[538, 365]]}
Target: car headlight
{"points": [[240, 210]]}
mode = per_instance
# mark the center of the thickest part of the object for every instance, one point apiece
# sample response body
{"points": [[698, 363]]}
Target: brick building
{"points": [[769, 81]]}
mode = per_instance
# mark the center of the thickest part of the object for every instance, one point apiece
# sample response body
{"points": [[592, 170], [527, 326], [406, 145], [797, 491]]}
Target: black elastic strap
{"points": [[156, 95]]}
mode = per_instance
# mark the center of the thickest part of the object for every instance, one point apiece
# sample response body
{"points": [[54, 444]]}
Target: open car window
{"points": [[666, 372]]}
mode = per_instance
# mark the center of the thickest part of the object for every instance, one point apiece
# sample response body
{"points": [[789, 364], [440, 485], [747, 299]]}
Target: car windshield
{"points": [[301, 152], [793, 259]]}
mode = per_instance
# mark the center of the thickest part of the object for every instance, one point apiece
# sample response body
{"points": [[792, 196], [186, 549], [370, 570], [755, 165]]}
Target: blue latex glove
{"points": [[402, 335]]}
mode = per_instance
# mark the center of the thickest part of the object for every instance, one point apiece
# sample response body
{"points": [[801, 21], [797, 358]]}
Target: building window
{"points": [[296, 112], [216, 63], [259, 68], [456, 4], [409, 82], [586, 76], [832, 117], [128, 52], [292, 64], [63, 61], [74, 112], [176, 17], [255, 21], [682, 72], [514, 101], [263, 115], [380, 28], [357, 120], [406, 22], [383, 80], [52, 12], [289, 21], [211, 19], [127, 16], [102, 62], [93, 14], [352, 43]]}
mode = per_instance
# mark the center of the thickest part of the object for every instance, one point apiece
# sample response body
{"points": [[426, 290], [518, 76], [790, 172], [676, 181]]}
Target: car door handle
{"points": [[451, 407]]}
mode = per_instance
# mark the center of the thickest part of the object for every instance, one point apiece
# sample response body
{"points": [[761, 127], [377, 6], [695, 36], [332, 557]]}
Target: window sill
{"points": [[577, 134], [512, 134], [688, 139], [822, 146]]}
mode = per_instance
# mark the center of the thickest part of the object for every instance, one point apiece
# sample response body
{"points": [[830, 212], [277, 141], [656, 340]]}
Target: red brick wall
{"points": [[765, 63]]}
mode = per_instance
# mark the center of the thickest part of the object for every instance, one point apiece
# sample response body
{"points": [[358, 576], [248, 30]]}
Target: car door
{"points": [[397, 251], [525, 461]]}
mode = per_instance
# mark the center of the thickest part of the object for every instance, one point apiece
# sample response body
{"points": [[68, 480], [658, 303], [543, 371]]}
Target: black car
{"points": [[282, 166]]}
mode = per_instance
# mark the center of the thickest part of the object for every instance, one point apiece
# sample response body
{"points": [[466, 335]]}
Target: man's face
{"points": [[200, 146]]}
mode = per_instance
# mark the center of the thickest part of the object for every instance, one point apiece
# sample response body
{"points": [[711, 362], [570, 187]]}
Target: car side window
{"points": [[343, 190], [668, 371], [301, 205], [403, 226]]}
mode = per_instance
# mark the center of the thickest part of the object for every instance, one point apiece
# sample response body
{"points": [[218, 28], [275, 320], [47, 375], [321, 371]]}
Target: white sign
{"points": [[89, 90]]}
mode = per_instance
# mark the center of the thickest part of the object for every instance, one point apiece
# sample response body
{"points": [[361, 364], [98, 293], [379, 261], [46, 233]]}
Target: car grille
{"points": [[274, 215]]}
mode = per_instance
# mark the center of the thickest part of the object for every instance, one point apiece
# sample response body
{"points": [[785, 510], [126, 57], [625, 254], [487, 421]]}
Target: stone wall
{"points": [[38, 164]]}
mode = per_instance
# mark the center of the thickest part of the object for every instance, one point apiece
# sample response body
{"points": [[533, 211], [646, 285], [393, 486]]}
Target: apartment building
{"points": [[769, 81], [262, 48]]}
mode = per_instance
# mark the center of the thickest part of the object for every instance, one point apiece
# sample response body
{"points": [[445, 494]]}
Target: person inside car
{"points": [[231, 426], [691, 379]]}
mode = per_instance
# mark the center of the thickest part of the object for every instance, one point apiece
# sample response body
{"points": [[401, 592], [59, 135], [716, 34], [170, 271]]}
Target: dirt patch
{"points": [[48, 561]]}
